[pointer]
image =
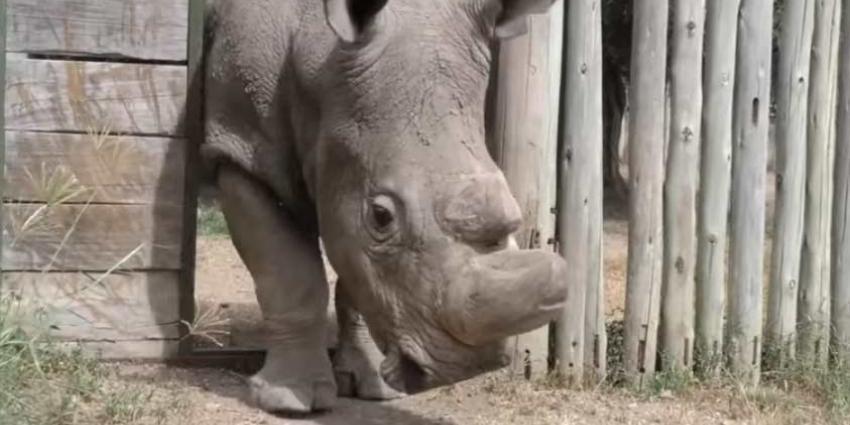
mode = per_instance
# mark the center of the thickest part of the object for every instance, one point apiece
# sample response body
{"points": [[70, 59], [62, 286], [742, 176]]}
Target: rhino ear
{"points": [[513, 20], [348, 18]]}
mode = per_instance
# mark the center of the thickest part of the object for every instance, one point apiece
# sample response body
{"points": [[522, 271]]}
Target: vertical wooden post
{"points": [[749, 169], [2, 128], [646, 180], [194, 122], [580, 194], [524, 141], [715, 181], [813, 340], [681, 185], [840, 310], [792, 105]]}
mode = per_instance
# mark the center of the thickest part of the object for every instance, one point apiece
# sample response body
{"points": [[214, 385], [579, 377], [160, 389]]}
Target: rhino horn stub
{"points": [[481, 211], [505, 293]]}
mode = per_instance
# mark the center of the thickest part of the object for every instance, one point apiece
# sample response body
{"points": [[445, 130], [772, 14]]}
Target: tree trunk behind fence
{"points": [[813, 341], [716, 168], [792, 105], [524, 142], [841, 209], [749, 168], [680, 188], [581, 330], [646, 179]]}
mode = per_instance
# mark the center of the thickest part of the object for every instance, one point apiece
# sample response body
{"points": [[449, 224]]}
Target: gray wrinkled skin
{"points": [[365, 127]]}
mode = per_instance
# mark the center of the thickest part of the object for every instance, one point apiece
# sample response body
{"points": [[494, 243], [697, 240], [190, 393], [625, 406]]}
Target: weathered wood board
{"points": [[646, 179], [524, 143], [110, 169], [94, 97], [99, 237], [750, 129], [98, 307], [581, 338], [145, 30], [715, 181]]}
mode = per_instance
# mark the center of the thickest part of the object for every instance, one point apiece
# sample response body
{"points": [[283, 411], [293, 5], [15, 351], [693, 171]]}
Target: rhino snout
{"points": [[505, 293]]}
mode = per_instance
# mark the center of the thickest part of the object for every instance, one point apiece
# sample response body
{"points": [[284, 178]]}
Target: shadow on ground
{"points": [[216, 396]]}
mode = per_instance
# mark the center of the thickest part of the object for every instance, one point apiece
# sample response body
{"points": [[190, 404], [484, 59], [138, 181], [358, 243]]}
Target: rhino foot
{"points": [[293, 396], [357, 366], [294, 384]]}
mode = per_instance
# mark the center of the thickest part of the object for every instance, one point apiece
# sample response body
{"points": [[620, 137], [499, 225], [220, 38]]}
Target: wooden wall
{"points": [[95, 158]]}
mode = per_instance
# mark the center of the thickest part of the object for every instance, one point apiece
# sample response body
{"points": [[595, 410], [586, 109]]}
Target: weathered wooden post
{"points": [[715, 180], [524, 140], [813, 312], [840, 311], [749, 169], [581, 330], [646, 180], [792, 105], [682, 182]]}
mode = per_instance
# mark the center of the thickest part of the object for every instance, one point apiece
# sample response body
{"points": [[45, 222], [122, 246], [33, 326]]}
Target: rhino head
{"points": [[415, 215]]}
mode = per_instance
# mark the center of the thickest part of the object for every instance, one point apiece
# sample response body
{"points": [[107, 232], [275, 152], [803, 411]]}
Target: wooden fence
{"points": [[96, 127], [711, 284]]}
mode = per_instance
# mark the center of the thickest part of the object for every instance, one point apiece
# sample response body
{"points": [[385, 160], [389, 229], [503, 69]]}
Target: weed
{"points": [[209, 325], [211, 222], [43, 381]]}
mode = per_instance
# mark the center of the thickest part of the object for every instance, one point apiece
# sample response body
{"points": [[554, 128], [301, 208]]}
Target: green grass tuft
{"points": [[211, 222]]}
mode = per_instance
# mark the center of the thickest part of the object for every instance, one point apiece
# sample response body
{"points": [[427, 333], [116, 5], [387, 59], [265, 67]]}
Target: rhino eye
{"points": [[382, 217]]}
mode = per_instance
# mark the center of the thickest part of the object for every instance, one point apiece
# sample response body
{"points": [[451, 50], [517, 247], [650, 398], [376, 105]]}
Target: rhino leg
{"points": [[288, 272], [357, 362]]}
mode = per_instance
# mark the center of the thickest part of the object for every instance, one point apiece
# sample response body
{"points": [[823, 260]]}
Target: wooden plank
{"points": [[580, 196], [99, 237], [147, 29], [111, 169], [524, 143], [750, 127], [715, 180], [94, 97], [840, 305], [95, 307], [681, 185], [813, 318], [646, 179], [792, 106]]}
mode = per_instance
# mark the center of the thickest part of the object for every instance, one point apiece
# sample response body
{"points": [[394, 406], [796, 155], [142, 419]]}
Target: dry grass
{"points": [[42, 381]]}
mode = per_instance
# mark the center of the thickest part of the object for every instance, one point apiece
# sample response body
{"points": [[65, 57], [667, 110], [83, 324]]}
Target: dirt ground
{"points": [[209, 396]]}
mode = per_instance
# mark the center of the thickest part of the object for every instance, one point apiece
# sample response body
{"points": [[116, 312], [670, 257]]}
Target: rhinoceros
{"points": [[355, 128]]}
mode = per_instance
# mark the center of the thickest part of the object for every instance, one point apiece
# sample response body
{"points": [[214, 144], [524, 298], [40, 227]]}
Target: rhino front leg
{"points": [[288, 272], [357, 362]]}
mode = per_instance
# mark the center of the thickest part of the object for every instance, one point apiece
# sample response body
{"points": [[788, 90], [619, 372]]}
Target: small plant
{"points": [[670, 381], [211, 222], [209, 326], [43, 381]]}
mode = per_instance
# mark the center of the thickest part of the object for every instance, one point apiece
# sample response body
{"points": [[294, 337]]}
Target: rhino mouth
{"points": [[404, 374]]}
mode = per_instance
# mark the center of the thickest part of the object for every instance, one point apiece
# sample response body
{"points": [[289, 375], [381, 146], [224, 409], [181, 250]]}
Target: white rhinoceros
{"points": [[361, 122]]}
